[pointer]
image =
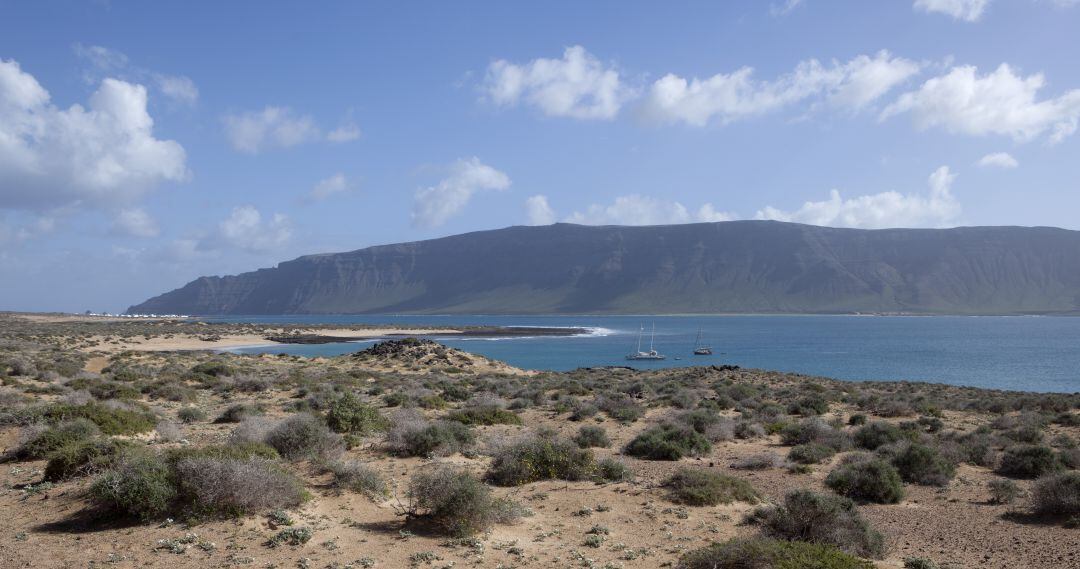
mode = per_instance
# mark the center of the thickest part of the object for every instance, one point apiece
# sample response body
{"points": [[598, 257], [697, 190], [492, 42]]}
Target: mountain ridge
{"points": [[724, 267]]}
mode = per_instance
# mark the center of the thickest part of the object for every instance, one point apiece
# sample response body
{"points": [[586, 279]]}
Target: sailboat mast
{"points": [[652, 337], [641, 330]]}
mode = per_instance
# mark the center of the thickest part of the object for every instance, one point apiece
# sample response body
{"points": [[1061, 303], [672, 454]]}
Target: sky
{"points": [[144, 144]]}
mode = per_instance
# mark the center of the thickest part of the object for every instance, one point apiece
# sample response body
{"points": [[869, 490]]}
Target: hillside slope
{"points": [[737, 266]]}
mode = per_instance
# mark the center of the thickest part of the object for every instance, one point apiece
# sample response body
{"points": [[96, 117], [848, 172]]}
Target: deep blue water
{"points": [[1022, 353]]}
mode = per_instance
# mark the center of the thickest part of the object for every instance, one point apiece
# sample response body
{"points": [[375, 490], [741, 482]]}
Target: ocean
{"points": [[1000, 352]]}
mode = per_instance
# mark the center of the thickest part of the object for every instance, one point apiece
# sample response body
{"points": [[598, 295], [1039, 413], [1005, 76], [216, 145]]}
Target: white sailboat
{"points": [[699, 348], [652, 354]]}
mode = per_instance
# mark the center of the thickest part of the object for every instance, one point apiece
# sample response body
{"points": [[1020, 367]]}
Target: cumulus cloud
{"points": [[644, 210], [434, 205], [99, 155], [106, 61], [135, 222], [999, 160], [246, 229], [538, 211], [1001, 102], [887, 209], [331, 186], [965, 10], [345, 132], [727, 97], [272, 127], [577, 86]]}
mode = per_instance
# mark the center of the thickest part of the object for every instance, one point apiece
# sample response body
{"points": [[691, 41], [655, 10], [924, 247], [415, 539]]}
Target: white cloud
{"points": [[538, 211], [1000, 102], [254, 131], [784, 8], [333, 185], [966, 10], [246, 229], [178, 88], [577, 86], [732, 96], [102, 154], [434, 205], [887, 209], [345, 132], [102, 58], [999, 159], [135, 222], [644, 210]]}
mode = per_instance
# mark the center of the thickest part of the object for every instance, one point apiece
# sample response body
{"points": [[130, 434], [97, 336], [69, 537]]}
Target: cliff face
{"points": [[738, 266]]}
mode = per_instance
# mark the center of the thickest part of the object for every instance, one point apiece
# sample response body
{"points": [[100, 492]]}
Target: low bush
{"points": [[760, 461], [140, 485], [700, 487], [591, 436], [1028, 461], [1003, 491], [814, 431], [485, 415], [239, 412], [358, 477], [876, 434], [921, 464], [224, 487], [668, 442], [540, 457], [620, 407], [867, 480], [820, 518], [763, 553], [39, 444], [348, 414], [612, 470], [191, 415], [304, 436], [810, 453], [422, 438], [1057, 494], [84, 457], [214, 368], [454, 501], [111, 420]]}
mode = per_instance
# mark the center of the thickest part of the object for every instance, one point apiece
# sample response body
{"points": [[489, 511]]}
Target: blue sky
{"points": [[145, 144]]}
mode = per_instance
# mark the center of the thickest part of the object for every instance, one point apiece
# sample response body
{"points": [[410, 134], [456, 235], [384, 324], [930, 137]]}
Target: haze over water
{"points": [[1000, 352]]}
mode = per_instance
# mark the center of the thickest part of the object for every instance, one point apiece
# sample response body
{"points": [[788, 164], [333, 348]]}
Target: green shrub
{"points": [[191, 415], [814, 431], [540, 458], [214, 368], [140, 485], [700, 487], [111, 421], [810, 453], [820, 518], [1057, 494], [919, 563], [1003, 491], [235, 451], [350, 415], [84, 457], [876, 434], [1028, 461], [454, 501], [612, 470], [52, 438], [396, 399], [668, 442], [921, 464], [867, 480], [291, 536], [304, 436], [809, 406], [591, 436], [485, 415], [856, 420], [762, 553]]}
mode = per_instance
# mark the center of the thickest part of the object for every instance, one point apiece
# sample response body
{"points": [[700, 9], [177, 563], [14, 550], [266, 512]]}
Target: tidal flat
{"points": [[121, 452]]}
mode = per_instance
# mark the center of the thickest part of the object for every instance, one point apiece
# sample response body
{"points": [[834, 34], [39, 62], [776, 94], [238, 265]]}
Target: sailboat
{"points": [[652, 354], [699, 348]]}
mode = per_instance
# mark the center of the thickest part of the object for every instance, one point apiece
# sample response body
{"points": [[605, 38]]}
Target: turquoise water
{"points": [[1022, 353]]}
